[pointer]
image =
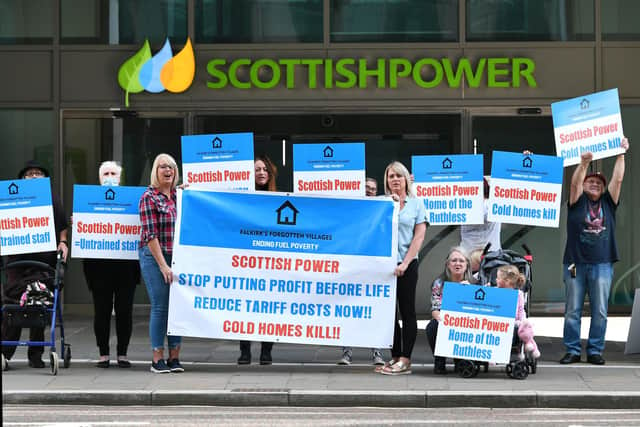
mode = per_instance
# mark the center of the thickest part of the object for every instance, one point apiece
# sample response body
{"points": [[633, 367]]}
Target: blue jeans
{"points": [[158, 292], [594, 279]]}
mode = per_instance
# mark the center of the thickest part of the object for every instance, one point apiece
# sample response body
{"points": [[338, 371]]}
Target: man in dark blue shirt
{"points": [[589, 254]]}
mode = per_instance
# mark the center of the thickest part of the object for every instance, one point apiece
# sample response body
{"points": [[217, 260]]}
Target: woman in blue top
{"points": [[412, 225]]}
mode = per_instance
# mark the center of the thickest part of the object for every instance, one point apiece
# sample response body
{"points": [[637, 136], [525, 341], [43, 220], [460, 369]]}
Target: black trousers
{"points": [[108, 296], [245, 347], [13, 334], [404, 338], [432, 335]]}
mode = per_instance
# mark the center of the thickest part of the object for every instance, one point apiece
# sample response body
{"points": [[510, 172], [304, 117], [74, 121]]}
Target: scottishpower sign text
{"points": [[345, 73]]}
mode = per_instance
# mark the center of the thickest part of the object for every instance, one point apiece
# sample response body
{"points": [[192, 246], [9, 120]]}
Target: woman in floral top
{"points": [[457, 268]]}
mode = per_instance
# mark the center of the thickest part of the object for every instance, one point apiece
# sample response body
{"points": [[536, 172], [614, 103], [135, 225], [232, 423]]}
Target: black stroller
{"points": [[491, 261], [37, 307]]}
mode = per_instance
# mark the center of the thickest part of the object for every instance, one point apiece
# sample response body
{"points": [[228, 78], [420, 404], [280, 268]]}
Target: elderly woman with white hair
{"points": [[412, 226], [112, 283], [158, 217]]}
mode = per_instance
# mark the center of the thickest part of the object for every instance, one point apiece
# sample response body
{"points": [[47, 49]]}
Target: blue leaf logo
{"points": [[150, 70]]}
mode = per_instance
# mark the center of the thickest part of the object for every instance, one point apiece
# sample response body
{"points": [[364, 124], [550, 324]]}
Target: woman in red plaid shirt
{"points": [[158, 217]]}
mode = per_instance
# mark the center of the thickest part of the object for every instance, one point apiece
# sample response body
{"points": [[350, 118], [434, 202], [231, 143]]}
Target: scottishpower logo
{"points": [[159, 72]]}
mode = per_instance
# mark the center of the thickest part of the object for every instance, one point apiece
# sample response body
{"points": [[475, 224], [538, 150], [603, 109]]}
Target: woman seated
{"points": [[457, 268]]}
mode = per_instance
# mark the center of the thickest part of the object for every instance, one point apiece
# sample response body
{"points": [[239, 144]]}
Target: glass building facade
{"points": [[318, 78]]}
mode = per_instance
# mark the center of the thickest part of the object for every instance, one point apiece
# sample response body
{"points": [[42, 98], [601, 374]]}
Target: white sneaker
{"points": [[346, 357], [376, 357]]}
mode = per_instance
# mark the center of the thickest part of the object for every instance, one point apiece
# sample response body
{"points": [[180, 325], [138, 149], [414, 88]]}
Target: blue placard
{"points": [[286, 223], [531, 167], [447, 168], [25, 193], [583, 108], [106, 199], [222, 147], [328, 157], [479, 300]]}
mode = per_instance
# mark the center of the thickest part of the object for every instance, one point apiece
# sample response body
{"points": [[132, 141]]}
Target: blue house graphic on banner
{"points": [[287, 214]]}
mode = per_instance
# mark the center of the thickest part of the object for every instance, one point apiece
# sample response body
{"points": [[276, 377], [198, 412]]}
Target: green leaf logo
{"points": [[128, 75]]}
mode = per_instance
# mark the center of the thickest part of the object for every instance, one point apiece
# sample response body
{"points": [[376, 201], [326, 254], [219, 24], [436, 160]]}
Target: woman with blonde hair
{"points": [[412, 225], [158, 216]]}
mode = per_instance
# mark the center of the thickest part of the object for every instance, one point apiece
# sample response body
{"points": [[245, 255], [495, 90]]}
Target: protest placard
{"points": [[219, 161], [106, 222], [525, 189], [588, 123], [26, 217], [284, 268], [476, 322], [451, 187], [335, 169]]}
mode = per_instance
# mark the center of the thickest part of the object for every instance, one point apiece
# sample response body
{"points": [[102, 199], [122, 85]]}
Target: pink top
{"points": [[520, 313]]}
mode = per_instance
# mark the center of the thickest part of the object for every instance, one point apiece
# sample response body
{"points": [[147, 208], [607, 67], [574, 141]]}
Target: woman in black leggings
{"points": [[412, 225], [113, 285]]}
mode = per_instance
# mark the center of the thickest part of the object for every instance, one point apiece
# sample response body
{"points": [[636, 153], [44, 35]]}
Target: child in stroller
{"points": [[508, 276], [516, 274]]}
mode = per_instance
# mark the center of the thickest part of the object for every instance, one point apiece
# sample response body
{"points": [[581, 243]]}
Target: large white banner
{"points": [[106, 222], [335, 169], [219, 161], [276, 267], [588, 123], [451, 187], [26, 217], [476, 322]]}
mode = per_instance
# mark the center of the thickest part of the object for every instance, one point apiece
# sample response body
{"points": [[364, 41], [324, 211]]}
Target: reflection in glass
{"points": [[258, 21], [620, 19], [26, 22], [26, 135], [530, 20], [394, 20], [123, 21]]}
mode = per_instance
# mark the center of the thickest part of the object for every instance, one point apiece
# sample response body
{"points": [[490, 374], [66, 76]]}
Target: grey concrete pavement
{"points": [[308, 376]]}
